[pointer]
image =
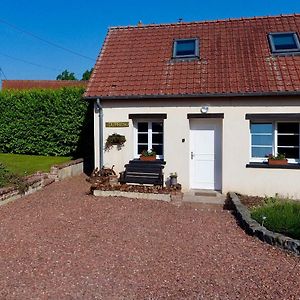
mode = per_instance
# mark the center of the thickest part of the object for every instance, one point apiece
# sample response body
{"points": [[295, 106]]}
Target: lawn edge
{"points": [[253, 228]]}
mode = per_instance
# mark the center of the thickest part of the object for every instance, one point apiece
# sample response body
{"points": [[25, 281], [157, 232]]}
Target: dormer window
{"points": [[186, 48], [284, 42]]}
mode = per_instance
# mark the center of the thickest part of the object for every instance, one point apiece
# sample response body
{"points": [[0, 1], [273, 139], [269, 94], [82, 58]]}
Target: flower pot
{"points": [[173, 180], [148, 158], [277, 162]]}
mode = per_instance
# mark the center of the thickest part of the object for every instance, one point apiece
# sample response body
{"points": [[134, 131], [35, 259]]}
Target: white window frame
{"points": [[135, 140], [274, 139]]}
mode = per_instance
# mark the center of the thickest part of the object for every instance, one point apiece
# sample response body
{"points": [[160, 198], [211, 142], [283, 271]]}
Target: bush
{"points": [[10, 179], [279, 215], [3, 176], [42, 122]]}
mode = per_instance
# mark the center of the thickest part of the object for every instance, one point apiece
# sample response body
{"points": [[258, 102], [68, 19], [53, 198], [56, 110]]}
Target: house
{"points": [[212, 98], [41, 84]]}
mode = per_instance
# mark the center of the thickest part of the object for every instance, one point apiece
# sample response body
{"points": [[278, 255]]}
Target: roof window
{"points": [[186, 48], [284, 42]]}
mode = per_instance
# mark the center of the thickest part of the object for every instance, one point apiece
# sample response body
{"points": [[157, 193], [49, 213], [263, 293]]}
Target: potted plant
{"points": [[115, 139], [148, 155], [277, 160], [173, 178]]}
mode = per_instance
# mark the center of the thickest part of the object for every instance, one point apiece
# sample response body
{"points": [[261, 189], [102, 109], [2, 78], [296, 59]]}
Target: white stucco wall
{"points": [[236, 140]]}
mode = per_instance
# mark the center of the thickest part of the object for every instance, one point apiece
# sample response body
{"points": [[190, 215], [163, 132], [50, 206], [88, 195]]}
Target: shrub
{"points": [[279, 215], [115, 139], [3, 175], [43, 121]]}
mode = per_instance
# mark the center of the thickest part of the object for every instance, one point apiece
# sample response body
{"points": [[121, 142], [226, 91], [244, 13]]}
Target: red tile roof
{"points": [[235, 58], [40, 84]]}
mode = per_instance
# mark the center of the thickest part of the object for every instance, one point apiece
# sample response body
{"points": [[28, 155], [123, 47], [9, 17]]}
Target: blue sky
{"points": [[82, 25]]}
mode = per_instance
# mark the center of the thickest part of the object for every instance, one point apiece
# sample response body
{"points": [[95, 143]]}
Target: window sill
{"points": [[265, 165]]}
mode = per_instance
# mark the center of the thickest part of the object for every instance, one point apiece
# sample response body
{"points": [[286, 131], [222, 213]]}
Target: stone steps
{"points": [[204, 196]]}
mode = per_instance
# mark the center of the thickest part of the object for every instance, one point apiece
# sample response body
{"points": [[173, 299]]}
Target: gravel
{"points": [[61, 243]]}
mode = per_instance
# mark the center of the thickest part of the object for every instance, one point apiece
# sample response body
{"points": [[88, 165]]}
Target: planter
{"points": [[173, 181], [277, 162], [148, 158]]}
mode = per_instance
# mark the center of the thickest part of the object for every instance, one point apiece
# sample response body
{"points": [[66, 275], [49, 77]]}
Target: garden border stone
{"points": [[148, 196], [253, 228], [65, 170]]}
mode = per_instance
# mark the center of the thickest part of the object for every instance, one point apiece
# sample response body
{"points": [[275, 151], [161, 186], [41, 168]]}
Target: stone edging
{"points": [[68, 164], [252, 227], [138, 195]]}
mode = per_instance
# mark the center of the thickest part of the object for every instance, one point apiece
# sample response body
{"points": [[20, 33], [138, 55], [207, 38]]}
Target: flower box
{"points": [[277, 162], [148, 158]]}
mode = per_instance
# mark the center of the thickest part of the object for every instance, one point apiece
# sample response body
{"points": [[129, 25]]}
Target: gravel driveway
{"points": [[61, 243]]}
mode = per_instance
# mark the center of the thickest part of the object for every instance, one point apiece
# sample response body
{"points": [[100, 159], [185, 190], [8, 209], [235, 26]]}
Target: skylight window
{"points": [[284, 42], [186, 48]]}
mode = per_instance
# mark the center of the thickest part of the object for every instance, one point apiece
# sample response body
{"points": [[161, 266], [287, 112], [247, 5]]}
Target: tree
{"points": [[87, 74], [66, 75]]}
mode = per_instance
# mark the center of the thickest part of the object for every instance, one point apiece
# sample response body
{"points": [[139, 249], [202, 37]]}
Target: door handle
{"points": [[192, 155]]}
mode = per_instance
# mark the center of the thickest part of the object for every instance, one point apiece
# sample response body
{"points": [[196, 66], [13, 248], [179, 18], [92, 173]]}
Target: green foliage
{"points": [[279, 215], [11, 179], [115, 139], [3, 175], [66, 75], [43, 122], [87, 74], [279, 156], [148, 153]]}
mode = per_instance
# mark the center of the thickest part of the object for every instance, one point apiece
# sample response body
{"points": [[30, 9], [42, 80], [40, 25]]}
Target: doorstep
{"points": [[204, 196]]}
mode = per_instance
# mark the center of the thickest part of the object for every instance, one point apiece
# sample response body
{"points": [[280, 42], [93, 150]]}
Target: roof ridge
{"points": [[205, 21]]}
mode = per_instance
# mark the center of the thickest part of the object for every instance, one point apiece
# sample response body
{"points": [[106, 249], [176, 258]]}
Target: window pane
{"points": [[284, 41], [141, 148], [143, 138], [261, 151], [289, 152], [265, 140], [142, 127], [261, 128], [288, 128], [157, 138], [158, 149], [185, 47], [288, 140], [157, 126]]}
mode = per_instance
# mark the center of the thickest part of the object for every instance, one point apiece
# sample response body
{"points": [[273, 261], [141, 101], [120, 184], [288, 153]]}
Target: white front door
{"points": [[206, 154]]}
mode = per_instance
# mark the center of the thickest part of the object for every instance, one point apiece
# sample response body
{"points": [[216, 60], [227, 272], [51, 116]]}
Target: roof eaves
{"points": [[209, 95]]}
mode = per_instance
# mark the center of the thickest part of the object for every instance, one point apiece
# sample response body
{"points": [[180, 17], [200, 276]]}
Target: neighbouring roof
{"points": [[235, 58], [40, 84]]}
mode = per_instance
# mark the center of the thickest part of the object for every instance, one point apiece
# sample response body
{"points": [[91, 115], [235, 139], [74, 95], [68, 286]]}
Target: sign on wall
{"points": [[117, 124]]}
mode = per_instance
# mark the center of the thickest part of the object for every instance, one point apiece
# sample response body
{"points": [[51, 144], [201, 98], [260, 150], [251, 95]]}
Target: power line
{"points": [[29, 62], [45, 41], [3, 73]]}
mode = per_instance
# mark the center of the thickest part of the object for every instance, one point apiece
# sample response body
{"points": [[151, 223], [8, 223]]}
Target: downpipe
{"points": [[101, 131]]}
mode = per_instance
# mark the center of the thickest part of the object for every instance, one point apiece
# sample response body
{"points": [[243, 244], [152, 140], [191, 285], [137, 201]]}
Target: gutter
{"points": [[207, 95], [100, 108]]}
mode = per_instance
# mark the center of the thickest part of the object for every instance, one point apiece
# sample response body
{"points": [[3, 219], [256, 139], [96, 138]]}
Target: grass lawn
{"points": [[279, 215], [29, 164]]}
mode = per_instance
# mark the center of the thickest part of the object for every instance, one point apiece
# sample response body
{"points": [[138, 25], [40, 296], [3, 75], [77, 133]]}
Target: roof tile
{"points": [[234, 58]]}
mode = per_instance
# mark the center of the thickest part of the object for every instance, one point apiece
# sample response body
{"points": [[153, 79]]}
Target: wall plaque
{"points": [[117, 124]]}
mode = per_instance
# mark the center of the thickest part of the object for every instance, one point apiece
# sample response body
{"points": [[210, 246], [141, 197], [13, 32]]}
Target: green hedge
{"points": [[44, 122]]}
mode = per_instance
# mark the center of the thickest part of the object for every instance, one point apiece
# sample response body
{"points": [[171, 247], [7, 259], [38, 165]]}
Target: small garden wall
{"points": [[69, 169]]}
